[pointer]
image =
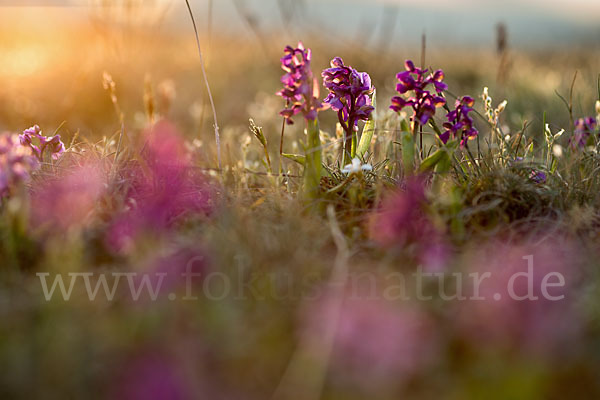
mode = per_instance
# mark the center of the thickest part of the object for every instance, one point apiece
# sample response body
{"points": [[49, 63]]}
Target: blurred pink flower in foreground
{"points": [[504, 319], [150, 376], [16, 163], [402, 222], [182, 269], [376, 341], [163, 187], [68, 198]]}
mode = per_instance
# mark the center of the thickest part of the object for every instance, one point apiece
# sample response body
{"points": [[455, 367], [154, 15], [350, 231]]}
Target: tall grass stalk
{"points": [[210, 97]]}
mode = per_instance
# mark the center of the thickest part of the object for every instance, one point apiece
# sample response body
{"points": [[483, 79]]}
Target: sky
{"points": [[578, 10], [529, 22], [466, 22]]}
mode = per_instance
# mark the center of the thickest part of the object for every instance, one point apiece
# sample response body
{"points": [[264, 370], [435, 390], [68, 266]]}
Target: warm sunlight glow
{"points": [[22, 61]]}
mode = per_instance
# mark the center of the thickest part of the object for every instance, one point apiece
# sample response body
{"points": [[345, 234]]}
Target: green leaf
{"points": [[404, 125], [367, 134], [430, 162], [295, 157], [444, 164], [452, 145], [408, 152], [441, 160]]}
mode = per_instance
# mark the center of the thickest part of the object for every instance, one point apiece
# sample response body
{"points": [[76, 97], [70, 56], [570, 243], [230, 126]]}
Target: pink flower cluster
{"points": [[299, 88], [423, 102], [162, 188], [50, 146], [402, 222], [524, 301], [376, 342], [16, 163], [68, 199]]}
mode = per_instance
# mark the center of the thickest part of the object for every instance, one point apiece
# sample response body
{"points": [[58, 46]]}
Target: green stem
{"points": [[312, 167], [281, 146], [354, 142]]}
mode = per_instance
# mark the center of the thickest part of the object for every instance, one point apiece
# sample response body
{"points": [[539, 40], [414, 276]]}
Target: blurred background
{"points": [[53, 54]]}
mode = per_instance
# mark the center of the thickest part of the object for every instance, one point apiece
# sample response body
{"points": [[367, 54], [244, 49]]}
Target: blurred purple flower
{"points": [[538, 176], [540, 326], [349, 93], [300, 89], [375, 341], [387, 338], [423, 102], [460, 124], [51, 145], [182, 267], [584, 129], [535, 175], [16, 163], [161, 190], [68, 198], [402, 222], [150, 376]]}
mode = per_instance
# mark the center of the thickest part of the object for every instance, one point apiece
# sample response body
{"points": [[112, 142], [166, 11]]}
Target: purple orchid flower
{"points": [[349, 94], [299, 86], [584, 128], [460, 124], [423, 103], [51, 144]]}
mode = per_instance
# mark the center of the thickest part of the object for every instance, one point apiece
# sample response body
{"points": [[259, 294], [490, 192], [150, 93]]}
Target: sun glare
{"points": [[22, 61]]}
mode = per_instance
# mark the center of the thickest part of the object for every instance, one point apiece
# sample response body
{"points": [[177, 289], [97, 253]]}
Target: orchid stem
{"points": [[281, 148]]}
